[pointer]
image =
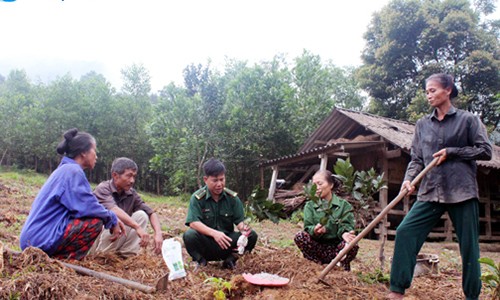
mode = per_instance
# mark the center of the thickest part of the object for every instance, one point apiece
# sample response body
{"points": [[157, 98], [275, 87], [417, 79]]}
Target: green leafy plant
{"points": [[344, 171], [361, 186], [14, 295], [262, 208], [492, 277], [378, 276], [221, 286], [297, 216]]}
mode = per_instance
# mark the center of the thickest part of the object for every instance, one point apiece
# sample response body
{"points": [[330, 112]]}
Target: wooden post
{"points": [[324, 161], [384, 198], [272, 186], [487, 211]]}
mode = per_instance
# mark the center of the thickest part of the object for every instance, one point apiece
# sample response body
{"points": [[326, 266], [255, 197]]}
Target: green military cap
{"points": [[230, 192], [200, 194]]}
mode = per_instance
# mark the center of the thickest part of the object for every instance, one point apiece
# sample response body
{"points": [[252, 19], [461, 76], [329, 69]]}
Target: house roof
{"points": [[338, 133], [339, 124]]}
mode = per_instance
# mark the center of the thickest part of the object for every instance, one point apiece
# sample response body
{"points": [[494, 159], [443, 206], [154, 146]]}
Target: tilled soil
{"points": [[33, 275]]}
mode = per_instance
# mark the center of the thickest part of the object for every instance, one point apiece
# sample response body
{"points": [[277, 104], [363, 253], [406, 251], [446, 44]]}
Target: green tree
{"points": [[101, 118], [15, 98], [318, 88], [409, 40], [206, 84], [418, 107], [176, 134], [136, 81], [485, 7], [480, 83], [57, 109], [255, 124], [242, 115], [42, 113], [134, 110]]}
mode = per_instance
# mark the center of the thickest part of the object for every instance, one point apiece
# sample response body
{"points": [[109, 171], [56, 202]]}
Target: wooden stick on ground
{"points": [[128, 283], [375, 221], [81, 270]]}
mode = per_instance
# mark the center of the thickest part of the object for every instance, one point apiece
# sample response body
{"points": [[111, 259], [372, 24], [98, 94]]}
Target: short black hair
{"points": [[74, 143], [213, 167], [121, 164]]}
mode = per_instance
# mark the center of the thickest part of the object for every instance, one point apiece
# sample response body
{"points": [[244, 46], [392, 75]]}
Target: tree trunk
{"points": [[3, 155], [201, 160], [158, 184]]}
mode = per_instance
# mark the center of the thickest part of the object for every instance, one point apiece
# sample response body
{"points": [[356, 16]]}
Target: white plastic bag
{"points": [[242, 243], [172, 254]]}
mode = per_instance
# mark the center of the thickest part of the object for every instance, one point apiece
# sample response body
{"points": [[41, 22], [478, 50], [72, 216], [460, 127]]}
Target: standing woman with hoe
{"points": [[66, 218], [457, 138]]}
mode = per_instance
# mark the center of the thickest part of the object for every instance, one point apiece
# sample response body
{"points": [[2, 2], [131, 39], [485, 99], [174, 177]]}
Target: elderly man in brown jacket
{"points": [[118, 195]]}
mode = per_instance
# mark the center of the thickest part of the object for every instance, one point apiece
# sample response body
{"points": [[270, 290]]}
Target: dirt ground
{"points": [[33, 275]]}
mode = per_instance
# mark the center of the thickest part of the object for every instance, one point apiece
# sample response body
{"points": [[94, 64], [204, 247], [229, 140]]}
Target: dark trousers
{"points": [[413, 231], [201, 246], [323, 253]]}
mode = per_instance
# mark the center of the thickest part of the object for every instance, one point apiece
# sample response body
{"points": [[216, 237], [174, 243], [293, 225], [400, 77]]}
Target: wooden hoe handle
{"points": [[375, 221]]}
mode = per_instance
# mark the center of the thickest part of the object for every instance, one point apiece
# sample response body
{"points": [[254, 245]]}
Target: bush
{"points": [[261, 208], [492, 277]]}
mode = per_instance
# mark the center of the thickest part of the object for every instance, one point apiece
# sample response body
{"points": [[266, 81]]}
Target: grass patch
{"points": [[14, 228], [174, 201], [15, 247], [24, 177], [283, 243], [30, 180], [281, 235]]}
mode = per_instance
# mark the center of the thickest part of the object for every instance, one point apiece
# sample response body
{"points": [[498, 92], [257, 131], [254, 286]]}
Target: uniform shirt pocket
{"points": [[226, 220], [209, 219]]}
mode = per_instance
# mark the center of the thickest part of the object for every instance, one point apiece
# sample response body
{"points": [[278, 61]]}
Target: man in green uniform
{"points": [[213, 212]]}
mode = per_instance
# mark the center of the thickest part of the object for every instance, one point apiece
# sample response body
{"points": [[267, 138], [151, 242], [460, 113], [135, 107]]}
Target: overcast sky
{"points": [[78, 36]]}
